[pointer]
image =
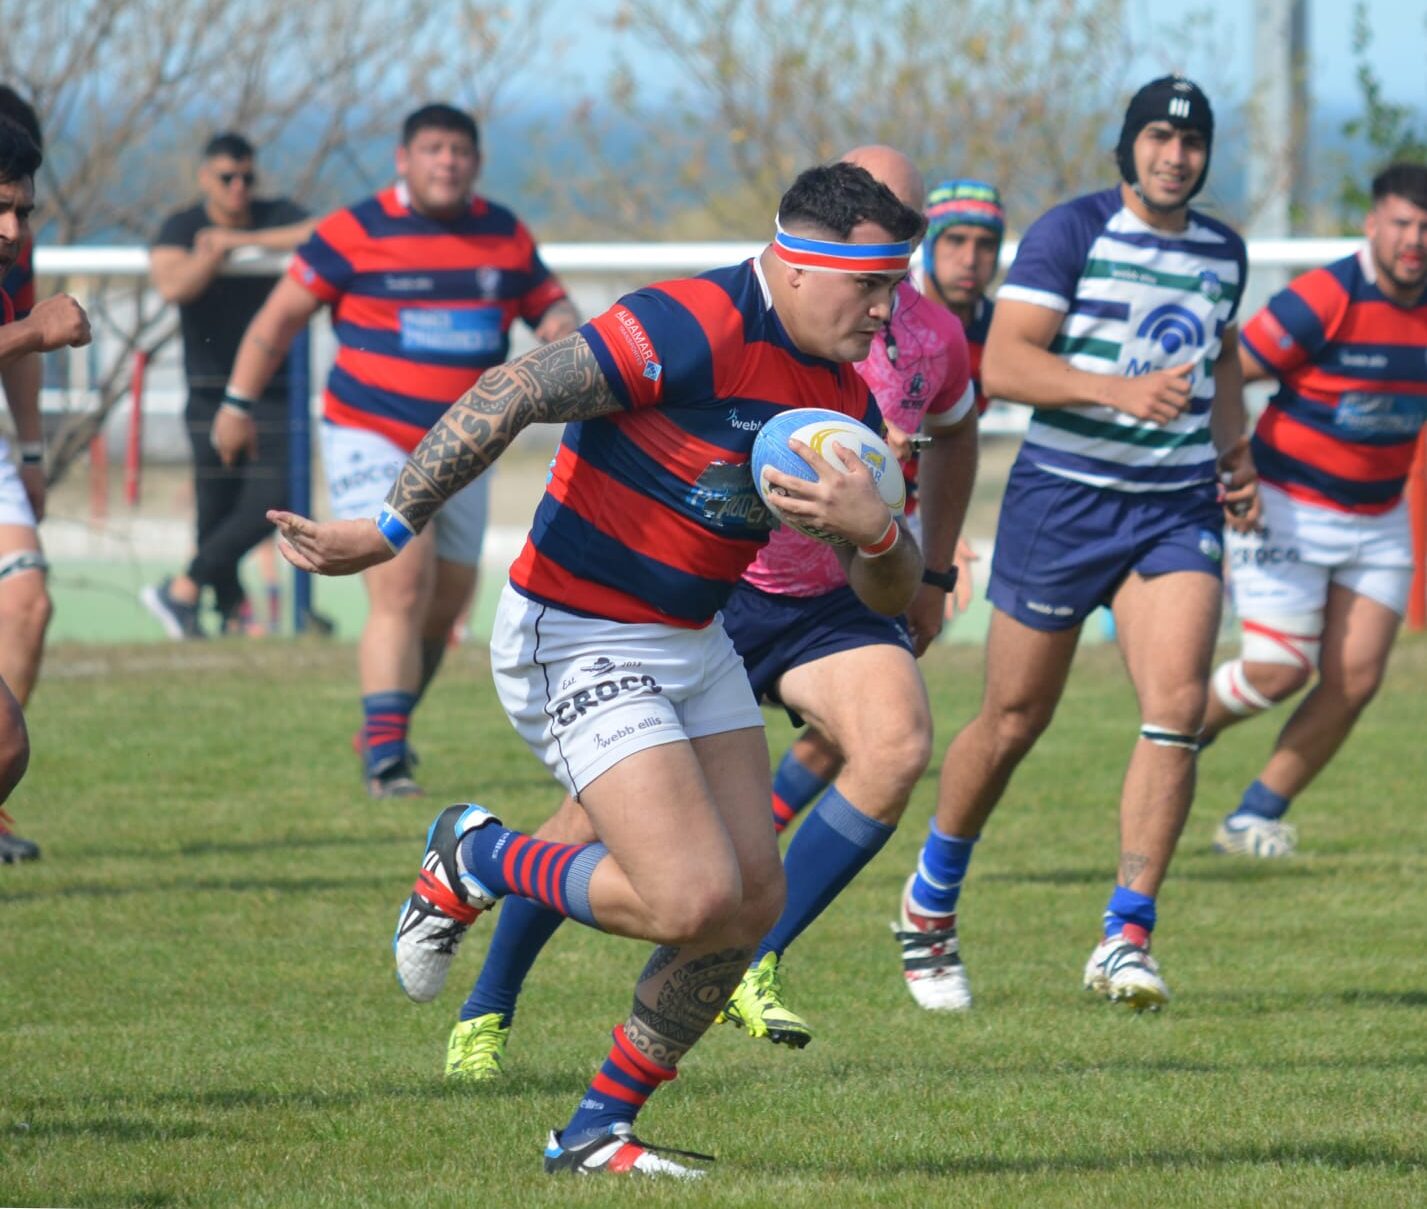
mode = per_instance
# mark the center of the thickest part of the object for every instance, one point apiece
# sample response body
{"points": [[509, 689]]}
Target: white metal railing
{"points": [[628, 258]]}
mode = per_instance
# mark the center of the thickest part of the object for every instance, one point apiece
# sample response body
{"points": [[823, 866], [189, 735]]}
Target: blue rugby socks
{"points": [[522, 929], [830, 849], [1130, 913], [1261, 801], [386, 719], [941, 869], [794, 786]]}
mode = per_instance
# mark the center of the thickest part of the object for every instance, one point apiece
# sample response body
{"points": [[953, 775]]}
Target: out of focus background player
{"points": [[424, 280], [1322, 586]]}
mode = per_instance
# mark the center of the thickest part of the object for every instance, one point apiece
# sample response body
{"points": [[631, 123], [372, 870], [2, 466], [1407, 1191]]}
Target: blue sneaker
{"points": [[444, 902], [179, 620]]}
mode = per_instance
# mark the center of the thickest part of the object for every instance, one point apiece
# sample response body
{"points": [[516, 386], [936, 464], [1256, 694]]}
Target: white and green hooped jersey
{"points": [[1134, 300]]}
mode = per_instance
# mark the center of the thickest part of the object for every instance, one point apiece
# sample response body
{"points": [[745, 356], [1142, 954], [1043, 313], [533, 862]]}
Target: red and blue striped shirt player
{"points": [[606, 651], [421, 308], [651, 514], [1325, 581], [1341, 430], [424, 281]]}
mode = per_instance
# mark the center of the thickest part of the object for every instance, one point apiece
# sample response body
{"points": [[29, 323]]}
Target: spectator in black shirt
{"points": [[185, 264]]}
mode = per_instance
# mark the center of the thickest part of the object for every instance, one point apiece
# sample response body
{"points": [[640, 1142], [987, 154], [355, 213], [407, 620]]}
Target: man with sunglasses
{"points": [[186, 266]]}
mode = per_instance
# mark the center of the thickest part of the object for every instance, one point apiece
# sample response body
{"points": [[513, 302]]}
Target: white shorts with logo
{"points": [[1303, 547], [585, 693], [362, 465], [14, 503]]}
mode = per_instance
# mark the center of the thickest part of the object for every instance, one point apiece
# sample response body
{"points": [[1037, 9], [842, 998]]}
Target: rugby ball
{"points": [[820, 430]]}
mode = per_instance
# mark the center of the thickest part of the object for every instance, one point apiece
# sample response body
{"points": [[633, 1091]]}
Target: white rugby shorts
{"points": [[361, 466], [585, 693], [14, 503], [1303, 547]]}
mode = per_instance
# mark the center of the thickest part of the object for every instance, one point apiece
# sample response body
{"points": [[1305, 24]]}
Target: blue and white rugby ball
{"points": [[820, 429]]}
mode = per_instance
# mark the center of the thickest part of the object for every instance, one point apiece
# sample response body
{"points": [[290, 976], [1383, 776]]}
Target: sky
{"points": [[1399, 29]]}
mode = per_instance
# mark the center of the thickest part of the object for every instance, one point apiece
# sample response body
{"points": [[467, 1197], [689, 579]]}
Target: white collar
{"points": [[1367, 264], [762, 281]]}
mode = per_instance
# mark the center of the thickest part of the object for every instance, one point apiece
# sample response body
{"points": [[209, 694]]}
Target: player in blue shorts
{"points": [[608, 653], [1116, 324]]}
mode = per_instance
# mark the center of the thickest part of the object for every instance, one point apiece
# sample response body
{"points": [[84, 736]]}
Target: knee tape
{"points": [[1234, 691], [22, 560], [1162, 737], [1292, 639]]}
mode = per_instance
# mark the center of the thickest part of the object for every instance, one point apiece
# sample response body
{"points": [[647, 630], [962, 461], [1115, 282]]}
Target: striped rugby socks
{"points": [[555, 875]]}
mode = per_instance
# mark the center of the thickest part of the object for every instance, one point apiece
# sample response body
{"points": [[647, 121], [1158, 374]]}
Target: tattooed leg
{"points": [[678, 995]]}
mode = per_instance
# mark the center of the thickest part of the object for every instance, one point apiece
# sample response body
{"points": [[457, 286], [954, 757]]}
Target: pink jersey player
{"points": [[918, 369]]}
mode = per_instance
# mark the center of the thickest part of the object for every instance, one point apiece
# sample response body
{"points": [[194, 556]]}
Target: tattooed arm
{"points": [[553, 385]]}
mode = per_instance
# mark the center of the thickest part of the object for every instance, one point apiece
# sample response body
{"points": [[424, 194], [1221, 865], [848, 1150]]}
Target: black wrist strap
{"points": [[946, 580]]}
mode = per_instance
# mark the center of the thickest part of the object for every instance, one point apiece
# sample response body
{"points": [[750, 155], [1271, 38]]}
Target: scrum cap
{"points": [[1173, 99]]}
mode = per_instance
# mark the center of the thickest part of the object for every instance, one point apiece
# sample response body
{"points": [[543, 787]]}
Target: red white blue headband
{"points": [[831, 256]]}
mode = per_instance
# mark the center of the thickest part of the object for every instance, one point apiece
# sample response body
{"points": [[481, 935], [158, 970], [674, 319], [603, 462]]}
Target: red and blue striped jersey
{"points": [[1352, 364], [651, 514], [976, 345], [19, 282], [420, 308]]}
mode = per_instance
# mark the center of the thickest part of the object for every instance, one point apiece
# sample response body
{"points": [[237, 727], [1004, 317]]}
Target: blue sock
{"points": [[1129, 909], [1260, 800], [617, 1093], [794, 786], [830, 849], [552, 874], [521, 931], [387, 717], [941, 869]]}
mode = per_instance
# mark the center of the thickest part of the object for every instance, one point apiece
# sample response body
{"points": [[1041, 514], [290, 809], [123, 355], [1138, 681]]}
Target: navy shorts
{"points": [[1063, 548], [774, 634]]}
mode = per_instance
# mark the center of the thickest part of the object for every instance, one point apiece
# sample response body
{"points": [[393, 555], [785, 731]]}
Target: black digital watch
{"points": [[946, 580]]}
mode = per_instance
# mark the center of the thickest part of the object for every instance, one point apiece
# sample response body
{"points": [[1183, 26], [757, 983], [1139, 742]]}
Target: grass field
{"points": [[199, 1007]]}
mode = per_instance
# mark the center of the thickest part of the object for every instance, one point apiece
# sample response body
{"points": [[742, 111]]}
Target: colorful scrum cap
{"points": [[834, 256], [962, 203]]}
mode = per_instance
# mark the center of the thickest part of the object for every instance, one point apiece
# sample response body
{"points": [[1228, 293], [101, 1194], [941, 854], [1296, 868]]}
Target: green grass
{"points": [[199, 1007]]}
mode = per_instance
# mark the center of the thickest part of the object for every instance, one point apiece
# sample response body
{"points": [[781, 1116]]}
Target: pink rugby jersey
{"points": [[930, 376]]}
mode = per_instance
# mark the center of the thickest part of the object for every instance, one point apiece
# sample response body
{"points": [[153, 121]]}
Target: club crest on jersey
{"points": [[488, 281], [1210, 285]]}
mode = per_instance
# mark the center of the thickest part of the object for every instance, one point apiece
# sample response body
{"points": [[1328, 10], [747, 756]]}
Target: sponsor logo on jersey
{"points": [[724, 494], [742, 425], [408, 283], [638, 340]]}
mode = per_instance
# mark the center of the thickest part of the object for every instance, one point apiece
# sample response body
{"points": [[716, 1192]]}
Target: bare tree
{"points": [[1030, 99], [129, 90]]}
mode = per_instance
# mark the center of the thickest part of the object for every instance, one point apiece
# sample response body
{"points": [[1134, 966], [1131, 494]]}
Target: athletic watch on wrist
{"points": [[946, 580]]}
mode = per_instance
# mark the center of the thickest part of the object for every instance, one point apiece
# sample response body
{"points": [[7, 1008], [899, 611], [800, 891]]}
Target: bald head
{"points": [[893, 169]]}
